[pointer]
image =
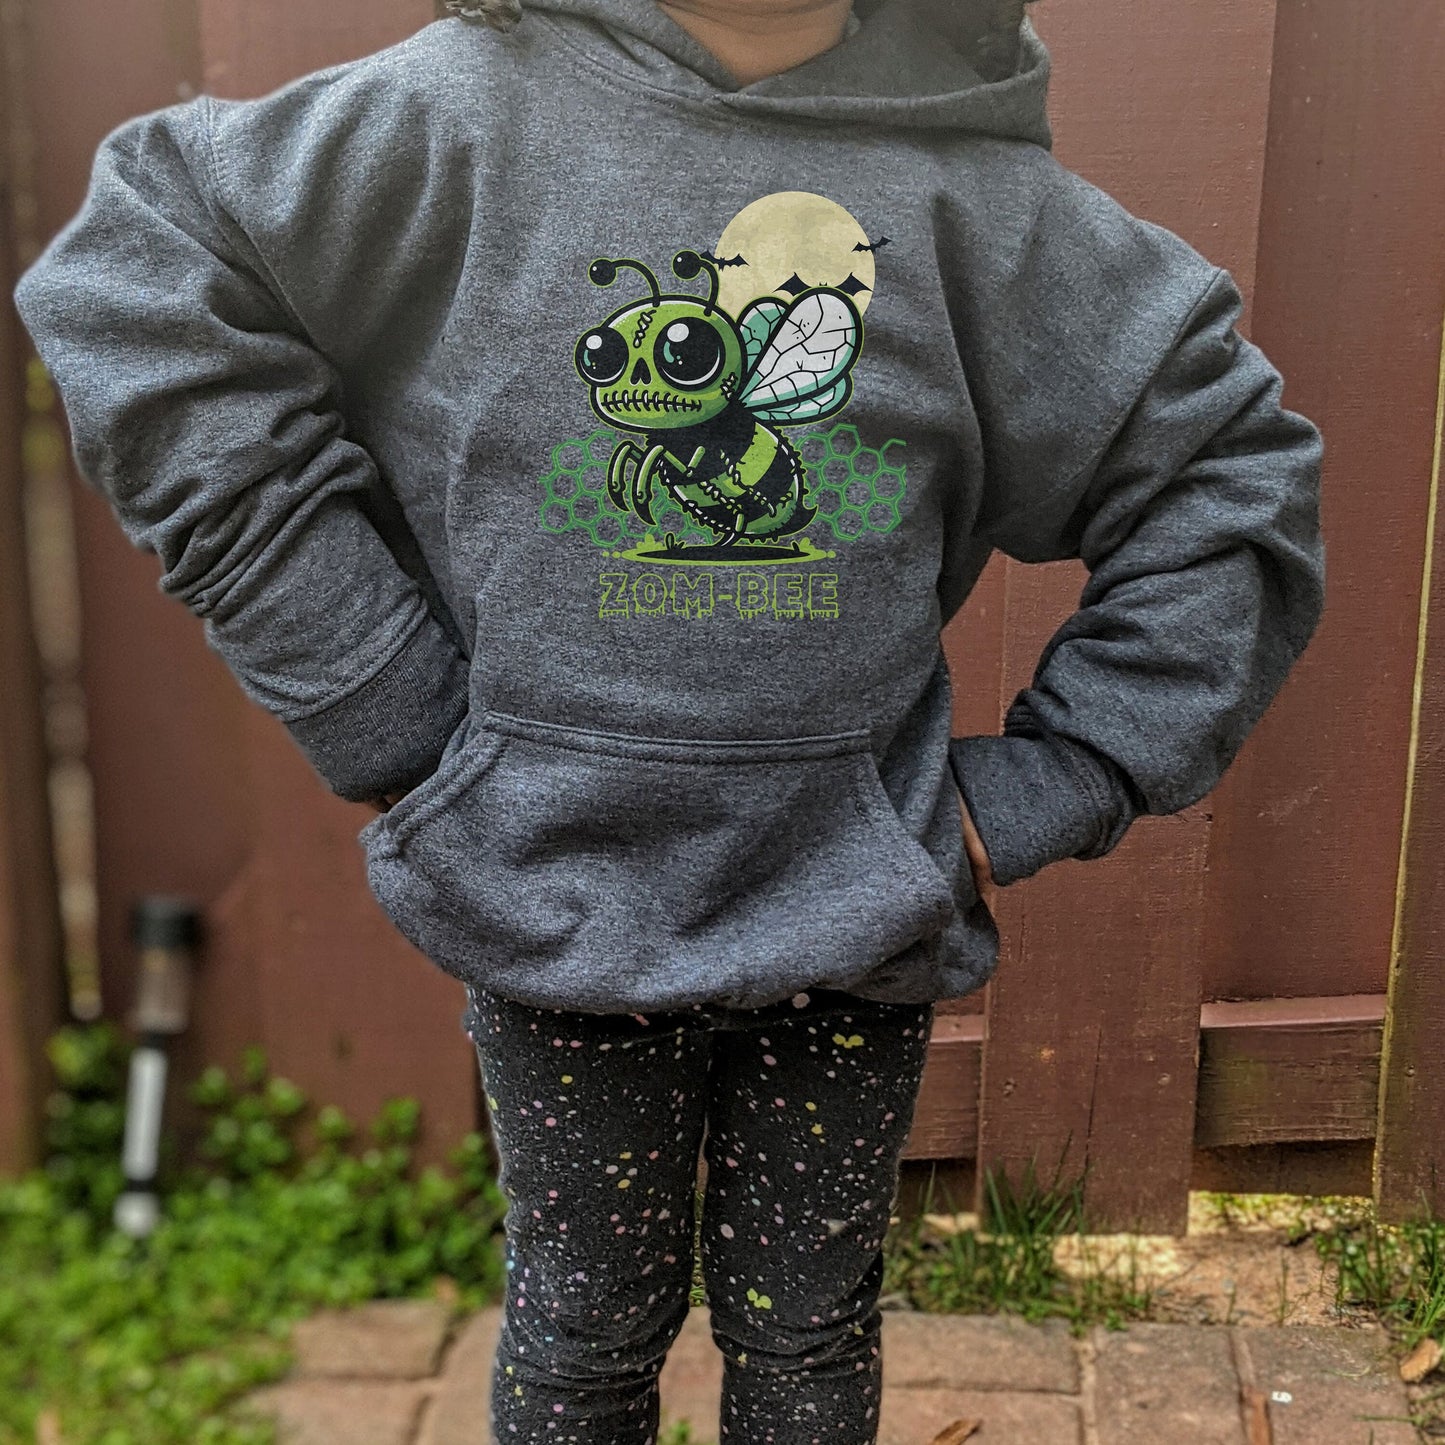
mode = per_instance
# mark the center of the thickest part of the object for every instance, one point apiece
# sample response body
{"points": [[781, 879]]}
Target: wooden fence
{"points": [[1245, 995]]}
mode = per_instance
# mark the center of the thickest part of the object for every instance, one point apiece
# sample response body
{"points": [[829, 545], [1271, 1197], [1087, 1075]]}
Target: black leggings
{"points": [[598, 1120]]}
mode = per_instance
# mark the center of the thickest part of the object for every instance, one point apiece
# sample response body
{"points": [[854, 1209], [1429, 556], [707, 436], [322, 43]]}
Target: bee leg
{"points": [[642, 484], [687, 468], [738, 526], [617, 473]]}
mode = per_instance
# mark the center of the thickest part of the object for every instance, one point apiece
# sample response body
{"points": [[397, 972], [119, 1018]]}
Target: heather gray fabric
{"points": [[318, 350]]}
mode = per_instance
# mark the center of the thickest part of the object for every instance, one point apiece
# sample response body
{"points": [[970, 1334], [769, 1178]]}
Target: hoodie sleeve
{"points": [[213, 423], [1193, 499]]}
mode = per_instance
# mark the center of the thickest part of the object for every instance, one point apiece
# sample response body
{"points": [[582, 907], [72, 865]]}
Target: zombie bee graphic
{"points": [[706, 397]]}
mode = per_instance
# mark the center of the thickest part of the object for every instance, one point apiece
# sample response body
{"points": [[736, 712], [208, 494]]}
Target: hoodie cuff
{"points": [[388, 735], [1038, 798]]}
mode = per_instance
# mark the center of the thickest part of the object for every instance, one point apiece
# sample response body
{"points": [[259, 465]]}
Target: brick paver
{"points": [[457, 1414], [1166, 1383], [387, 1375], [915, 1417], [1342, 1386], [977, 1353], [342, 1412], [387, 1340], [692, 1378]]}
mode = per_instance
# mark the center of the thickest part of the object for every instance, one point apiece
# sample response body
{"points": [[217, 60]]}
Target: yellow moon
{"points": [[792, 233]]}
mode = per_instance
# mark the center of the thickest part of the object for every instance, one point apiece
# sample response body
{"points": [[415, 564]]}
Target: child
{"points": [[577, 433]]}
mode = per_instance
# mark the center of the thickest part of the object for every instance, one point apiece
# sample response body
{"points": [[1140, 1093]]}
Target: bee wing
{"points": [[808, 408], [758, 323], [809, 354]]}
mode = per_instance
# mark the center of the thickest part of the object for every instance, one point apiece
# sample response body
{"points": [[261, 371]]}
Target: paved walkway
{"points": [[397, 1374]]}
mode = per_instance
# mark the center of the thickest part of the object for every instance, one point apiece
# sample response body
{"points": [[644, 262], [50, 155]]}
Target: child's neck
{"points": [[758, 38]]}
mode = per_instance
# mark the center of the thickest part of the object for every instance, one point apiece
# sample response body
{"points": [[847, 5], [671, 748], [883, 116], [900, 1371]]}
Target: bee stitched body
{"points": [[749, 479]]}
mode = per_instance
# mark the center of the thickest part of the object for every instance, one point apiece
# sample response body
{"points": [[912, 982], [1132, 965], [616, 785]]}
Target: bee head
{"points": [[667, 361]]}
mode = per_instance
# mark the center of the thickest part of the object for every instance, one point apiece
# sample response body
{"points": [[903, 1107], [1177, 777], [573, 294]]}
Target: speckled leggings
{"points": [[598, 1120]]}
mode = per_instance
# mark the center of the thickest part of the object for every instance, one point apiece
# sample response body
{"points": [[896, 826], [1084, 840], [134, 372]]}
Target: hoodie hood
{"points": [[904, 64]]}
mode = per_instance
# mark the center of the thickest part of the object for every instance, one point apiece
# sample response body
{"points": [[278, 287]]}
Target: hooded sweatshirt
{"points": [[550, 425]]}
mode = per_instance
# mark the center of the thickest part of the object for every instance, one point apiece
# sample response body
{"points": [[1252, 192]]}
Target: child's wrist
{"points": [[974, 846], [387, 801]]}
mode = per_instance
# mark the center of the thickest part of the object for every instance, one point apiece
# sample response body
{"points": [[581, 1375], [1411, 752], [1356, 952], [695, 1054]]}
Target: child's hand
{"points": [[977, 853], [387, 801]]}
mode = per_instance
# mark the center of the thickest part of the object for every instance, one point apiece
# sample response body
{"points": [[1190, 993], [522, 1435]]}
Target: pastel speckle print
{"points": [[801, 1110]]}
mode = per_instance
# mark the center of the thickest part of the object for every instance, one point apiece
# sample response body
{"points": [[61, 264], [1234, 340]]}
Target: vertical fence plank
{"points": [[349, 1009], [195, 791], [1093, 1019], [1410, 1145], [973, 644], [346, 1007], [170, 787], [158, 703], [1303, 873], [1352, 284], [254, 47], [32, 994]]}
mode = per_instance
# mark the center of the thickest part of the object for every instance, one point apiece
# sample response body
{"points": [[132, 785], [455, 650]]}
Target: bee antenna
{"points": [[688, 264], [603, 272]]}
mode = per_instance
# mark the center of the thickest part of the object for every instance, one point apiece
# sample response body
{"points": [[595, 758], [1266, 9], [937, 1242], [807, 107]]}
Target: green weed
{"points": [[151, 1343], [679, 1433], [1011, 1267], [1397, 1272], [1392, 1273]]}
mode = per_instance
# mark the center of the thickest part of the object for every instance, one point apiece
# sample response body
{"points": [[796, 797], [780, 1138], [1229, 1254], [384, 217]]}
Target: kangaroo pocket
{"points": [[604, 871]]}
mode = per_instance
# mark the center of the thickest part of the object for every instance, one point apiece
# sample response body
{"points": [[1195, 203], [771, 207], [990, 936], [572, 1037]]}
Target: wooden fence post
{"points": [[1093, 1018], [32, 992], [1410, 1141]]}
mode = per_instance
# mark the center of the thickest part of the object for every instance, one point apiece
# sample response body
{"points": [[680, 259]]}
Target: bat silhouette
{"points": [[722, 262], [876, 246]]}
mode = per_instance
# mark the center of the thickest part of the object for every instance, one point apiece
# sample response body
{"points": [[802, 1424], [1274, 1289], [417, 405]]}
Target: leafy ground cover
{"points": [[109, 1341]]}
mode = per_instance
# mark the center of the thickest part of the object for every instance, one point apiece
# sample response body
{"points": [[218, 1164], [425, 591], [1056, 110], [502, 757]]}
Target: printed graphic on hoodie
{"points": [[700, 392]]}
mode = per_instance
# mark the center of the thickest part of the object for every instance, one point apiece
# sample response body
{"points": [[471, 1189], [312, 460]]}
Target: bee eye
{"points": [[602, 356], [689, 353]]}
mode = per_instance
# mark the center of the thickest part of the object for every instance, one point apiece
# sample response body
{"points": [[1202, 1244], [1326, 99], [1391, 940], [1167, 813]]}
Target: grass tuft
{"points": [[1014, 1267], [1396, 1272]]}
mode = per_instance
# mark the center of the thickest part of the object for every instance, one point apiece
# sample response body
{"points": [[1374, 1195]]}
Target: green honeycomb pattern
{"points": [[856, 490]]}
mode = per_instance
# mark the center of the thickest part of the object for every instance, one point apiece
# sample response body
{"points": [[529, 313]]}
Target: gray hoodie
{"points": [[547, 424]]}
